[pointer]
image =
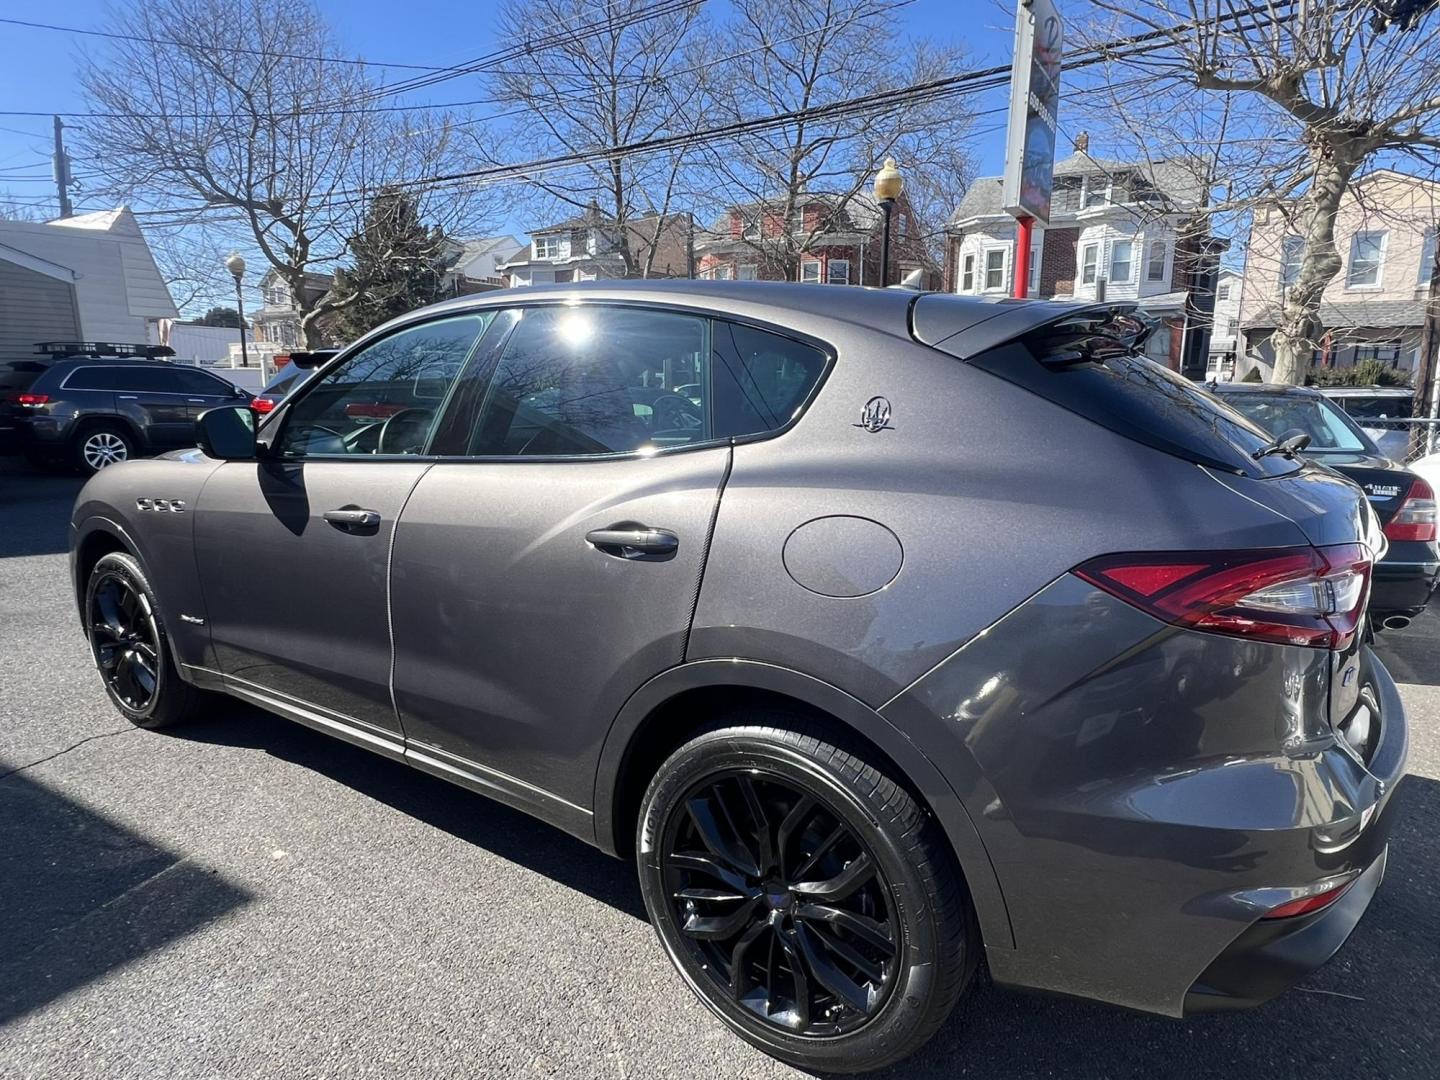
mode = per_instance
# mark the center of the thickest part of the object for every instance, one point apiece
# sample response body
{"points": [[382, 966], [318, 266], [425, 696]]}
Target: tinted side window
{"points": [[760, 379], [384, 399], [94, 378], [198, 382], [596, 380], [148, 380]]}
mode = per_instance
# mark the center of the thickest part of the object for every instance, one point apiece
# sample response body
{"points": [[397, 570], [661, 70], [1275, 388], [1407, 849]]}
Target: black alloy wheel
{"points": [[781, 903], [126, 641], [131, 648], [807, 898]]}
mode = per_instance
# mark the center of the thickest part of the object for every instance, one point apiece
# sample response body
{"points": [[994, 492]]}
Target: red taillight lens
{"points": [[1294, 596], [1415, 520], [32, 401], [262, 404], [1308, 905]]}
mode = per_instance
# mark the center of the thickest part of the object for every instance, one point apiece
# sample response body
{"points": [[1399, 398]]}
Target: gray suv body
{"points": [[916, 631]]}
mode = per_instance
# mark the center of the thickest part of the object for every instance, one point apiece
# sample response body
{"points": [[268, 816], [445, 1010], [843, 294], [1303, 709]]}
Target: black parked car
{"points": [[1404, 501], [92, 411], [287, 379]]}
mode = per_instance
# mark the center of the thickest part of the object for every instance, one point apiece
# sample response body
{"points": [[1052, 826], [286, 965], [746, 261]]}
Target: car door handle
{"points": [[351, 518], [128, 397], [196, 400], [634, 542]]}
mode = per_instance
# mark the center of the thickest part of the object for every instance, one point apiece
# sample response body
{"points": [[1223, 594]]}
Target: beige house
{"points": [[1375, 308]]}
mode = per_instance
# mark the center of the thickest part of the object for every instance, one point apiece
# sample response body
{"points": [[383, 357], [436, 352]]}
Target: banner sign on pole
{"points": [[1034, 103]]}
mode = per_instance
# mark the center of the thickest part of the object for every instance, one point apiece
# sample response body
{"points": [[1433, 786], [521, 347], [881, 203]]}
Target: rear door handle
{"points": [[128, 397], [632, 543], [196, 400], [350, 518]]}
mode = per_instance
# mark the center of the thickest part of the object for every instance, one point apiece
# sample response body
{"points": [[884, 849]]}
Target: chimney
{"points": [[1082, 143]]}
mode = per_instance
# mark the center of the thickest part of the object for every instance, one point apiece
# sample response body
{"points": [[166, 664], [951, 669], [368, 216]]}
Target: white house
{"points": [[476, 263], [85, 278], [1225, 334]]}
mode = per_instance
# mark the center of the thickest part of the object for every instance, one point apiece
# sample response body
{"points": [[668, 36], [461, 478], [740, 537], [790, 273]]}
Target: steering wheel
{"points": [[404, 432], [673, 411]]}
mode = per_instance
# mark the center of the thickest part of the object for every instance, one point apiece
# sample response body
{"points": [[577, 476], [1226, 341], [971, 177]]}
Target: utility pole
{"points": [[62, 170]]}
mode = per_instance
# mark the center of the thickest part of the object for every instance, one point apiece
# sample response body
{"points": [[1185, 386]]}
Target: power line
{"points": [[115, 35]]}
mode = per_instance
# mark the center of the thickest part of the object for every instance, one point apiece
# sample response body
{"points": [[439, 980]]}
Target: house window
{"points": [[1224, 292], [1232, 326], [810, 270], [1033, 285], [278, 296], [1122, 261], [1089, 260], [994, 269], [724, 272], [1427, 256], [551, 247], [1155, 268], [1388, 353], [967, 274], [1367, 253], [746, 271], [837, 272], [1292, 250], [1097, 191], [751, 228]]}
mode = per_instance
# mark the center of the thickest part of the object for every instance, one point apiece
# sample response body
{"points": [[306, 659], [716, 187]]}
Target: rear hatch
{"points": [[16, 378], [1085, 358]]}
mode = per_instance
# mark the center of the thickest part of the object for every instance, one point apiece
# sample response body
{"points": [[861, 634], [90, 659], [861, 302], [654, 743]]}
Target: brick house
{"points": [[1118, 231], [1375, 308], [588, 248], [828, 240]]}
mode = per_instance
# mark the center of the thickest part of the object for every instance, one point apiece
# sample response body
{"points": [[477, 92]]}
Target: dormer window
{"points": [[1097, 191], [552, 247]]}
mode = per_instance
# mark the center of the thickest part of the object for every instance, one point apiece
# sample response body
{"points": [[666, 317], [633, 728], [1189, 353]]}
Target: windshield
{"points": [[1326, 425]]}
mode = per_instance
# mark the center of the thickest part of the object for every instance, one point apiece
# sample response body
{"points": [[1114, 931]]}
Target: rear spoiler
{"points": [[965, 327]]}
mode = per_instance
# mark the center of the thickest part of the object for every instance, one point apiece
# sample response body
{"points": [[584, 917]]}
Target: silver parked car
{"points": [[886, 632]]}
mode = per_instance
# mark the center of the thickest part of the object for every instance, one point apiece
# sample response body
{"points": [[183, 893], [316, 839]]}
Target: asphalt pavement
{"points": [[247, 898]]}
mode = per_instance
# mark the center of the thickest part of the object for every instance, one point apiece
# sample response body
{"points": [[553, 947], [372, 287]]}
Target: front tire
{"points": [[806, 897], [130, 647], [100, 446]]}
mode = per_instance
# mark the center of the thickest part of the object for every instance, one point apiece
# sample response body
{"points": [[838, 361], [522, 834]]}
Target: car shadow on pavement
{"points": [[82, 895], [34, 510], [1412, 655], [495, 827]]}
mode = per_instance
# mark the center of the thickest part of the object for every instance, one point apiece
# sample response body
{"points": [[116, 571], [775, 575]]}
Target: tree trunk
{"points": [[1299, 329]]}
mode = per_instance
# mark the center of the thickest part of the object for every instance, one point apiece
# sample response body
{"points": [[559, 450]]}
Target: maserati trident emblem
{"points": [[876, 415]]}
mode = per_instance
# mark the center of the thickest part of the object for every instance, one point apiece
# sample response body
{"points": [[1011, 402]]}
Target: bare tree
{"points": [[1296, 99], [289, 149], [785, 58], [619, 78]]}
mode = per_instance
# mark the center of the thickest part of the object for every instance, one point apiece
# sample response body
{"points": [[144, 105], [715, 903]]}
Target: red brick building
{"points": [[828, 239]]}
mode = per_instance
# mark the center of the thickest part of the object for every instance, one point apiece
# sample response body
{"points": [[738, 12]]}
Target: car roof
{"points": [[1263, 389], [1367, 391]]}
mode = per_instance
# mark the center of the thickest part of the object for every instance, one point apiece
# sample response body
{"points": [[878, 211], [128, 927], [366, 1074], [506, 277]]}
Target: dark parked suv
{"points": [[93, 412], [884, 631]]}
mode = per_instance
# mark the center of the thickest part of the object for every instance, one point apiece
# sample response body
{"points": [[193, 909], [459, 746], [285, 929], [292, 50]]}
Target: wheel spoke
{"points": [[717, 896], [844, 951], [724, 848], [819, 852], [765, 848], [798, 815], [828, 975], [737, 959], [857, 873], [802, 983], [720, 926], [706, 864], [869, 931]]}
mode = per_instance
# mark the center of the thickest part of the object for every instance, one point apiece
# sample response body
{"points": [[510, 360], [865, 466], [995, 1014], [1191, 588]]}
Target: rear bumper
{"points": [[1273, 955], [1405, 578]]}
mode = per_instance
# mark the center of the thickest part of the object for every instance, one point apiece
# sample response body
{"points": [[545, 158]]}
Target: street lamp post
{"points": [[888, 186], [236, 265]]}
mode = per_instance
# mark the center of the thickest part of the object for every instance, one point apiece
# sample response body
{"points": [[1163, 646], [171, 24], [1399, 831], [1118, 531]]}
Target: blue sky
{"points": [[40, 65]]}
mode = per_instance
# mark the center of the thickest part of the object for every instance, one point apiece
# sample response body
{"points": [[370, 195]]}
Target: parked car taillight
{"points": [[1294, 596], [1324, 895], [1415, 520], [32, 401], [263, 404]]}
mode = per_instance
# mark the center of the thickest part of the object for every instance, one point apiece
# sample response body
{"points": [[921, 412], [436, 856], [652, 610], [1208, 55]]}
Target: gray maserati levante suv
{"points": [[888, 633]]}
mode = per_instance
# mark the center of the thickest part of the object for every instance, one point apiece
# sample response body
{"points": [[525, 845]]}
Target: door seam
{"points": [[390, 599], [705, 553]]}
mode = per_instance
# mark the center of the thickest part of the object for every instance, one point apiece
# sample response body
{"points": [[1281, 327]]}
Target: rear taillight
{"points": [[34, 401], [1415, 520], [262, 404], [1308, 905], [1294, 596]]}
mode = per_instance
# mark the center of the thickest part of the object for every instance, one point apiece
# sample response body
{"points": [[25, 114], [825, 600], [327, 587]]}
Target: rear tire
{"points": [[766, 849], [101, 445], [131, 649]]}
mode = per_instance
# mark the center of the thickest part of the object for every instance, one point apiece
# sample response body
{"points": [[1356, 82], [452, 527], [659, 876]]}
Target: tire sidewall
{"points": [[126, 568], [905, 1010]]}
